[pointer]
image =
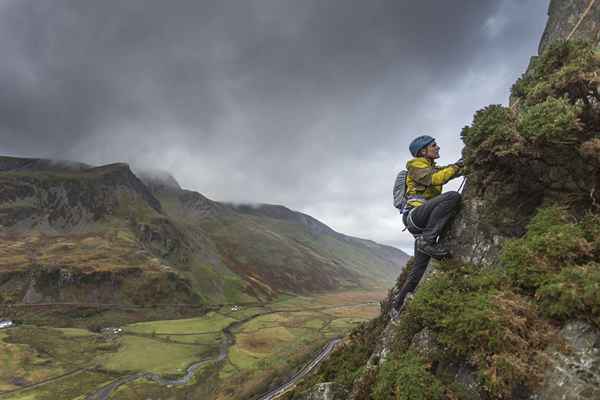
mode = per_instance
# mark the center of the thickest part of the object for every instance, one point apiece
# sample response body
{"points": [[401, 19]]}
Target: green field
{"points": [[151, 355], [211, 322], [273, 340]]}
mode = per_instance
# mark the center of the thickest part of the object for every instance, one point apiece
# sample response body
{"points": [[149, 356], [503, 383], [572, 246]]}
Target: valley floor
{"points": [[233, 352]]}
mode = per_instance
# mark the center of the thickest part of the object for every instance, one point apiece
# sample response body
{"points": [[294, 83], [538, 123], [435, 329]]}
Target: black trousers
{"points": [[432, 217]]}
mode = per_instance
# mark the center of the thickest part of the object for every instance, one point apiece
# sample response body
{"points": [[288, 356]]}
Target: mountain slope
{"points": [[76, 233], [280, 250]]}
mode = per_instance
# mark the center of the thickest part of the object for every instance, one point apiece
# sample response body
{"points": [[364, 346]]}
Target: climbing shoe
{"points": [[431, 249]]}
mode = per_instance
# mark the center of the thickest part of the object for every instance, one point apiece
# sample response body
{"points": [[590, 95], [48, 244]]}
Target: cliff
{"points": [[515, 314], [572, 20]]}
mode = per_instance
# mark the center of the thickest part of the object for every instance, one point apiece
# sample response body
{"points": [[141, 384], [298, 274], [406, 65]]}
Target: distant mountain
{"points": [[73, 232]]}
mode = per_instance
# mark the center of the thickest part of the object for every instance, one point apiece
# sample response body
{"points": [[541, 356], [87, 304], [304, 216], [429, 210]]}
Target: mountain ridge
{"points": [[71, 219]]}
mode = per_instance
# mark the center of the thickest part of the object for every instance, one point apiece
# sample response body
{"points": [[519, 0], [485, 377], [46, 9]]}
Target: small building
{"points": [[6, 323], [111, 331]]}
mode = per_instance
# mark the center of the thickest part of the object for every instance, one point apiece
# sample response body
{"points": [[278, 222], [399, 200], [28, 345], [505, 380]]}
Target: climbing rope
{"points": [[585, 13], [461, 184]]}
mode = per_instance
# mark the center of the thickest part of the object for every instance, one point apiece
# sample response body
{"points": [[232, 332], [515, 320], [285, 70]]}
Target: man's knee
{"points": [[453, 200], [453, 197]]}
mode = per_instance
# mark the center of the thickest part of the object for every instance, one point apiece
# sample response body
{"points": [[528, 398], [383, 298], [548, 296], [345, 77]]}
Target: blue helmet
{"points": [[417, 144]]}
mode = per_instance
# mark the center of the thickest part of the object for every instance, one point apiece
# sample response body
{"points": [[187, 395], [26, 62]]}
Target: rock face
{"points": [[500, 199], [502, 195], [514, 170], [572, 19], [574, 375], [326, 391], [66, 197]]}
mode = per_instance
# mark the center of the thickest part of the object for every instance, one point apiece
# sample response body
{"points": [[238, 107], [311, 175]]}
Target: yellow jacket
{"points": [[425, 179]]}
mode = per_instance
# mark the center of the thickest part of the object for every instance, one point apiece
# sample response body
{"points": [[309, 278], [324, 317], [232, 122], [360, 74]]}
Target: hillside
{"points": [[73, 233], [516, 313], [277, 249]]}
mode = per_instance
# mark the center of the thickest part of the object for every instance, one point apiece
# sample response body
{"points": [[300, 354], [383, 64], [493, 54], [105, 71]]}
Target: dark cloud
{"points": [[309, 103]]}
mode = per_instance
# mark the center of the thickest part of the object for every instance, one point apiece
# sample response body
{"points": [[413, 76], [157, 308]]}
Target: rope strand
{"points": [[585, 13]]}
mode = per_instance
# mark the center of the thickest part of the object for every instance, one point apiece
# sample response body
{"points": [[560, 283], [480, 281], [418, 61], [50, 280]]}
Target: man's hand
{"points": [[460, 163]]}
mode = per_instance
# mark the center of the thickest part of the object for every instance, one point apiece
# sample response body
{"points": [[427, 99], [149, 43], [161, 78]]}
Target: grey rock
{"points": [[325, 391], [566, 15], [465, 376], [470, 238], [424, 344], [574, 375]]}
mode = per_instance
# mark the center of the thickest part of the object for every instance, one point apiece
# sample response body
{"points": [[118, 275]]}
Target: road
{"points": [[104, 392], [273, 394]]}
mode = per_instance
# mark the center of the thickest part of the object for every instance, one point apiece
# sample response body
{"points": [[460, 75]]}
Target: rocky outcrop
{"points": [[505, 188], [53, 284], [520, 160], [573, 374], [572, 19], [68, 197], [158, 181], [326, 391]]}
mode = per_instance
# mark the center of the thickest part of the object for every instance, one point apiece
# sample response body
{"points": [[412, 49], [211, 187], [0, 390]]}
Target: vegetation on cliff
{"points": [[474, 331]]}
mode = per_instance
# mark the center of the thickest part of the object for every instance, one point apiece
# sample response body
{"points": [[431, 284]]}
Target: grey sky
{"points": [[310, 103]]}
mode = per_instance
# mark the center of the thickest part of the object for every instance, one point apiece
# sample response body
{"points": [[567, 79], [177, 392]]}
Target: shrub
{"points": [[551, 120], [564, 69], [475, 316], [407, 378], [557, 262], [494, 121], [573, 292], [552, 241]]}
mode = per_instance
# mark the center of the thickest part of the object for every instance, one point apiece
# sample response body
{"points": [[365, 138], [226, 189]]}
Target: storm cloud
{"points": [[310, 103]]}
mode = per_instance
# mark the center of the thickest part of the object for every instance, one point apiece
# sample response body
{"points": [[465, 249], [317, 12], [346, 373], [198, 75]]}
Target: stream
{"points": [[229, 340]]}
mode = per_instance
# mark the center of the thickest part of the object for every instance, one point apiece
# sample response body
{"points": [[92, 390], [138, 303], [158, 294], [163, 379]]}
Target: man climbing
{"points": [[427, 210]]}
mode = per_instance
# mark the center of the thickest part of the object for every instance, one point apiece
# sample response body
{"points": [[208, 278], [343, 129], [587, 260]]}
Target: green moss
{"points": [[564, 69], [552, 241], [457, 305], [557, 263], [551, 120], [474, 315], [574, 291], [407, 378], [494, 121], [554, 104]]}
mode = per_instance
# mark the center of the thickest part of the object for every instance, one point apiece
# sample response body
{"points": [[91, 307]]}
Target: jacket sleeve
{"points": [[428, 175]]}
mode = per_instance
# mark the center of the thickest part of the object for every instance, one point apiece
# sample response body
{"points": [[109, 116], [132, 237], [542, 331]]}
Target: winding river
{"points": [[229, 340]]}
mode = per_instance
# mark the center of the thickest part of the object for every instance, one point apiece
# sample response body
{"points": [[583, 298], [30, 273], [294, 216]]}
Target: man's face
{"points": [[432, 151]]}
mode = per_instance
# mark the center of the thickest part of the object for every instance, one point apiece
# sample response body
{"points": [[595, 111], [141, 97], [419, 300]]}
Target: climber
{"points": [[427, 210]]}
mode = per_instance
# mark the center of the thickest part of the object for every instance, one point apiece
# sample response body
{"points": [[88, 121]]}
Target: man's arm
{"points": [[426, 175]]}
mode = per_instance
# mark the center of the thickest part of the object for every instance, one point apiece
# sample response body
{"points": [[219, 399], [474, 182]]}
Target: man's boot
{"points": [[431, 249]]}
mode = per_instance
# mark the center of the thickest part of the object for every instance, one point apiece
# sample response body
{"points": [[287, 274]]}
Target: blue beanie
{"points": [[417, 144]]}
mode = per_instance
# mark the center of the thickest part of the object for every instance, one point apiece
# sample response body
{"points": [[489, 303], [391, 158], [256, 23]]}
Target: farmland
{"points": [[232, 352]]}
